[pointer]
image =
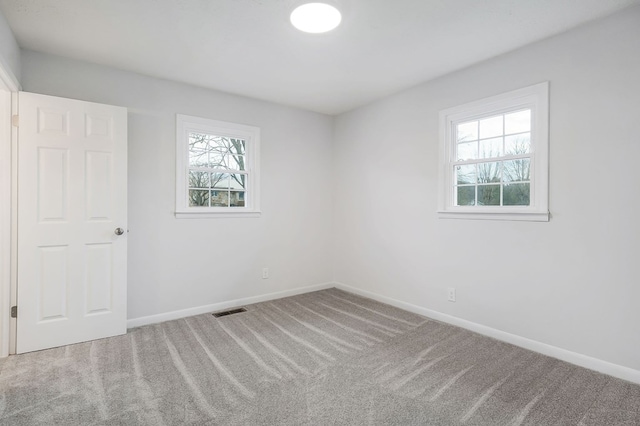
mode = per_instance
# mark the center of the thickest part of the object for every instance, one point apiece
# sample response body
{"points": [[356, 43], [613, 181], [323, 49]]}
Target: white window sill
{"points": [[495, 215], [217, 215]]}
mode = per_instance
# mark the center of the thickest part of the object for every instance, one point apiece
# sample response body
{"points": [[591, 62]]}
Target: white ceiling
{"points": [[248, 47]]}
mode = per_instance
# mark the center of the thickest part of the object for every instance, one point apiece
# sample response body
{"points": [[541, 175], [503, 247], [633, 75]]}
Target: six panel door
{"points": [[72, 204]]}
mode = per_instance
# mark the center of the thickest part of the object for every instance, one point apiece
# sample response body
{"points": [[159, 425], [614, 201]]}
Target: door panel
{"points": [[53, 173], [72, 159], [98, 181], [53, 282], [98, 280]]}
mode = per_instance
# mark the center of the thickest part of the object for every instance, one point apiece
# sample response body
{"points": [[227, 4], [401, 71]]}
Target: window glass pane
{"points": [[467, 151], [517, 170], [465, 196], [237, 146], [491, 148], [220, 181], [236, 199], [198, 158], [491, 127], [198, 179], [220, 198], [489, 172], [517, 194], [517, 122], [219, 144], [489, 195], [198, 141], [238, 181], [467, 131], [517, 144], [466, 174], [216, 160], [236, 162], [198, 198]]}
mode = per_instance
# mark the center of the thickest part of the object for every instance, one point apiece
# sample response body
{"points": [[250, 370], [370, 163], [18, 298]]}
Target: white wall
{"points": [[572, 282], [177, 264], [9, 53]]}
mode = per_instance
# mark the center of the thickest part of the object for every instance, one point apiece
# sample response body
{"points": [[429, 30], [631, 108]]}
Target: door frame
{"points": [[9, 87]]}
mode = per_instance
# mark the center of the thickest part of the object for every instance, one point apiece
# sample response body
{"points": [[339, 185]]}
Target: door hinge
{"points": [[14, 312], [15, 120]]}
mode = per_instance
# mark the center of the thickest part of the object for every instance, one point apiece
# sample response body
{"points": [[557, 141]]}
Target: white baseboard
{"points": [[581, 360], [167, 316]]}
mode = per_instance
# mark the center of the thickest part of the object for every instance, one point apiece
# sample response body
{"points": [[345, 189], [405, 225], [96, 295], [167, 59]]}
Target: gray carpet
{"points": [[322, 358]]}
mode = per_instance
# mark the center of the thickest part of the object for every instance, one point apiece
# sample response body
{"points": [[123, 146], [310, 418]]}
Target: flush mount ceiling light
{"points": [[315, 17]]}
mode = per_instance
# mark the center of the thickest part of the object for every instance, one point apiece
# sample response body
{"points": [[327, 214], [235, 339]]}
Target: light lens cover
{"points": [[315, 17]]}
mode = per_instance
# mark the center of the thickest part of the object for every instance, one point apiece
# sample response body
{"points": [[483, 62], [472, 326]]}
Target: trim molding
{"points": [[5, 219], [183, 313], [529, 217], [615, 370]]}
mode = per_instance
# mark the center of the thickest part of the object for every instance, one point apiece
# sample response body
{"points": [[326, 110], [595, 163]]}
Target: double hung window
{"points": [[494, 157], [217, 168]]}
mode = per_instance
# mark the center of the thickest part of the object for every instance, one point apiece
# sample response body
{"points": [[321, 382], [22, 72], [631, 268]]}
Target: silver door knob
{"points": [[119, 231]]}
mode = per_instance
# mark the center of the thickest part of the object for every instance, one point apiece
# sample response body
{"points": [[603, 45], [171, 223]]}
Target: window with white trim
{"points": [[494, 157], [217, 168]]}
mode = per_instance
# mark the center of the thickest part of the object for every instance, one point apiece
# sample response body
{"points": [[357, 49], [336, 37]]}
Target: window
{"points": [[216, 168], [494, 157]]}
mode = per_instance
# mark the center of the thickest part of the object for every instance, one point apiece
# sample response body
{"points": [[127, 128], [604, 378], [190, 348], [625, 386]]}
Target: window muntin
{"points": [[217, 167], [494, 157]]}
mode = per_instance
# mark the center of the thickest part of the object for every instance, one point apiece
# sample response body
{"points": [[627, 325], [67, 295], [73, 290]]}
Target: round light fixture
{"points": [[315, 17]]}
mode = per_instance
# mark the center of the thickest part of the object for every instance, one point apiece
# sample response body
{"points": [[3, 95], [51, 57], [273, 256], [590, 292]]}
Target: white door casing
{"points": [[72, 196], [5, 218]]}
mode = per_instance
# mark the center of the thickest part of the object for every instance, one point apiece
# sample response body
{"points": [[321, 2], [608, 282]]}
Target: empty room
{"points": [[288, 212]]}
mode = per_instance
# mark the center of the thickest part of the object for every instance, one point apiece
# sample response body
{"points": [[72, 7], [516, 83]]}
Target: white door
{"points": [[72, 221]]}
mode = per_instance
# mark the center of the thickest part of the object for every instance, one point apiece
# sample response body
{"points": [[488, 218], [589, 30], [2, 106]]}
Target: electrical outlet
{"points": [[451, 294], [265, 273]]}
